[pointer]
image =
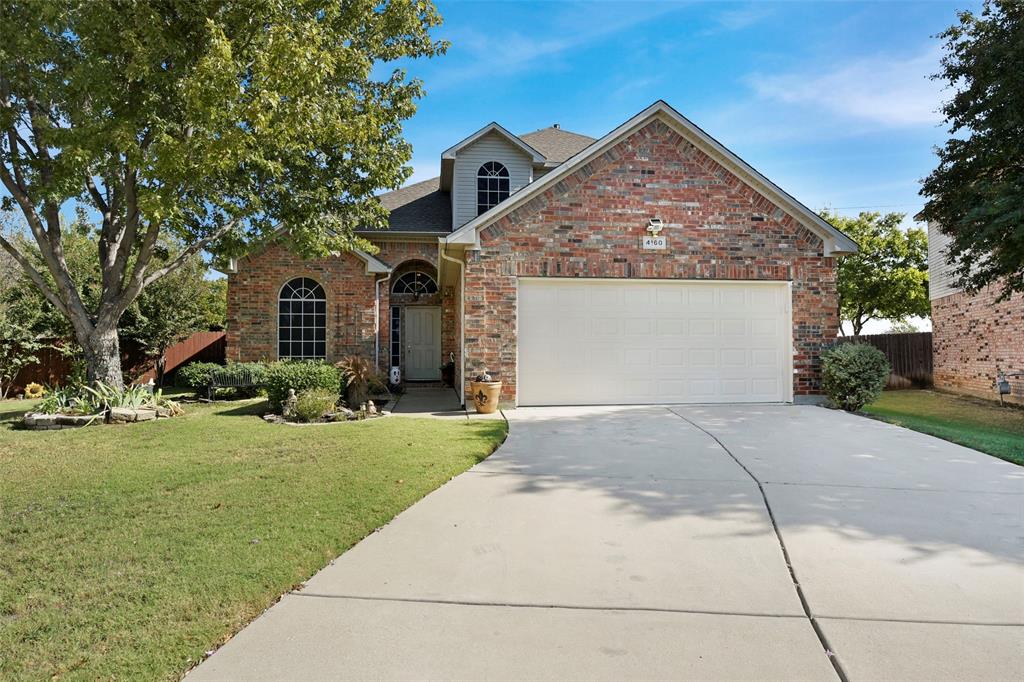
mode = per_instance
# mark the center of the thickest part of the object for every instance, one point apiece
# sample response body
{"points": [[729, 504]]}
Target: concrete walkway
{"points": [[652, 543]]}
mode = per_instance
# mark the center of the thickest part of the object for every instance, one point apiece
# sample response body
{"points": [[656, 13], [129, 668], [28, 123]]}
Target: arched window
{"points": [[302, 321], [417, 283], [492, 186]]}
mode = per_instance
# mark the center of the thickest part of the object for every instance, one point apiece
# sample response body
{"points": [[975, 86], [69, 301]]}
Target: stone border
{"points": [[39, 421]]}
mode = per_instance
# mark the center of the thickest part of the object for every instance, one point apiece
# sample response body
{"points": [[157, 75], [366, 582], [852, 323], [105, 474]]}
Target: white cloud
{"points": [[739, 19], [575, 27], [881, 90]]}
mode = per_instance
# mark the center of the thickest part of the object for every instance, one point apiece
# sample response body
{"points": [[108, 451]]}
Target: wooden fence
{"points": [[910, 356], [53, 366]]}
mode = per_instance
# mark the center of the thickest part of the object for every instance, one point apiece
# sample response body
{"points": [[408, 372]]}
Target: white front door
{"points": [[422, 343], [634, 341]]}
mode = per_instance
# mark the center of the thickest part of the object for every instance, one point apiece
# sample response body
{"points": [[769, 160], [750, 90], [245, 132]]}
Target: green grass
{"points": [[976, 423], [128, 551]]}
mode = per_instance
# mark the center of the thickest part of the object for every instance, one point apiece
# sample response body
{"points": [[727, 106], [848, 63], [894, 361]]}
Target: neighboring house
{"points": [[649, 266], [973, 336]]}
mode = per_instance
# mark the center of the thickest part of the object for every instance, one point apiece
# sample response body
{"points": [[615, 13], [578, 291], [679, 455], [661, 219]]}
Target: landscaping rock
{"points": [[144, 415], [77, 420], [122, 414], [36, 420]]}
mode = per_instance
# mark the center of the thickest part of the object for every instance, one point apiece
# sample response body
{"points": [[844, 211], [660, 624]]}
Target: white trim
{"points": [[452, 151], [836, 243], [373, 266]]}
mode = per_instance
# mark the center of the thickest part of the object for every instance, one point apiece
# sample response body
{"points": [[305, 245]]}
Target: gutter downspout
{"points": [[442, 251]]}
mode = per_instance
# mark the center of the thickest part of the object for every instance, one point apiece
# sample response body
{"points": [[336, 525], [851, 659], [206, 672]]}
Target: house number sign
{"points": [[653, 242]]}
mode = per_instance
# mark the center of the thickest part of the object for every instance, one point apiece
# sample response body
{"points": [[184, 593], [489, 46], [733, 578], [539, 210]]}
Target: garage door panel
{"points": [[597, 341]]}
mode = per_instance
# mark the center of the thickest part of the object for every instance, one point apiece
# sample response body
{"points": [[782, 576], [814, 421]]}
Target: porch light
{"points": [[655, 225]]}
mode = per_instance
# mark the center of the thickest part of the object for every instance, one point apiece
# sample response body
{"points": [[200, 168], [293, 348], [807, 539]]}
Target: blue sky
{"points": [[830, 100]]}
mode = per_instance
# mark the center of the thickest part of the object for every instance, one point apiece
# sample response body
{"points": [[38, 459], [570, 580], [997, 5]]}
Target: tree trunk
{"points": [[103, 357]]}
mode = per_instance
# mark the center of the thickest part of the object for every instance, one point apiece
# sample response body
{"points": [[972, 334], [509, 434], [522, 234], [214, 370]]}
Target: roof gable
{"points": [[452, 151], [835, 242]]}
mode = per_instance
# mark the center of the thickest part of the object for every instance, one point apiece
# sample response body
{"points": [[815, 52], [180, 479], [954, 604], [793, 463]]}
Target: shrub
{"points": [[854, 374], [360, 379], [312, 404], [301, 376], [196, 375]]}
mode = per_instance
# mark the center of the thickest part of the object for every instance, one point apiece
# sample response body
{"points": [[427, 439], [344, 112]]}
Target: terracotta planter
{"points": [[485, 395]]}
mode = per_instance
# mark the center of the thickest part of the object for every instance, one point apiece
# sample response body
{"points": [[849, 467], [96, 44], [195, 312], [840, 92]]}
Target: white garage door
{"points": [[593, 342]]}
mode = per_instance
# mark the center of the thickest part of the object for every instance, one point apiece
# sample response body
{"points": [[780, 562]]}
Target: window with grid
{"points": [[302, 321], [492, 186], [396, 336], [416, 283]]}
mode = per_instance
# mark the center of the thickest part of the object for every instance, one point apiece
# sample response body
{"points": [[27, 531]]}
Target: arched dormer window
{"points": [[492, 186], [416, 283], [302, 321]]}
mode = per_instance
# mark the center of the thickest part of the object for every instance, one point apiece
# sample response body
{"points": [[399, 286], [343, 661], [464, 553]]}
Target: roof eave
{"points": [[835, 242]]}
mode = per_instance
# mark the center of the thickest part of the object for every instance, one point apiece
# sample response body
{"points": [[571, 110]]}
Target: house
{"points": [[651, 265], [973, 336]]}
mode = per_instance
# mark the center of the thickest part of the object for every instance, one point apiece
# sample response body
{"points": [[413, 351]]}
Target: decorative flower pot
{"points": [[485, 395]]}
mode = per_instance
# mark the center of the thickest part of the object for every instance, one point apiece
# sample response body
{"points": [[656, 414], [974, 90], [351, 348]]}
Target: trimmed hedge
{"points": [[196, 375], [301, 376], [854, 374]]}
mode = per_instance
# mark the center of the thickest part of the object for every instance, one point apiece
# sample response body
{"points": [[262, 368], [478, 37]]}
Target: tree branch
{"points": [[192, 250], [36, 277]]}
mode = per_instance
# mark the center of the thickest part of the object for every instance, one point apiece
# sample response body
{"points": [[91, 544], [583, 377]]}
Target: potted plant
{"points": [[486, 393]]}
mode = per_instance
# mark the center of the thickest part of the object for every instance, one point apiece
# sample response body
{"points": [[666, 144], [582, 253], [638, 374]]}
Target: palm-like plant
{"points": [[360, 378]]}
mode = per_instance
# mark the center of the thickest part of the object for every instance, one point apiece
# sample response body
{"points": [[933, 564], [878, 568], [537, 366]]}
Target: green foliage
{"points": [[201, 124], [196, 375], [854, 374], [888, 277], [101, 396], [311, 405], [65, 400], [360, 379], [974, 195], [902, 327], [300, 376]]}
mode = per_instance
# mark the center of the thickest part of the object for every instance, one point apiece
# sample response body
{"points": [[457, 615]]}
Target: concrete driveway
{"points": [[636, 543]]}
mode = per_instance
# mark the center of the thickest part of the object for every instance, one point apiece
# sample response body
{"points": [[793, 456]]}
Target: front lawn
{"points": [[976, 423], [128, 551]]}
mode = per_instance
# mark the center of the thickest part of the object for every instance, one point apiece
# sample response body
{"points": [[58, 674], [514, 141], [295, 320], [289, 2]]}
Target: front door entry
{"points": [[422, 343]]}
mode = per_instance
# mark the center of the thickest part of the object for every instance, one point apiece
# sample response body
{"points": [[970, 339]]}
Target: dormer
{"points": [[484, 169]]}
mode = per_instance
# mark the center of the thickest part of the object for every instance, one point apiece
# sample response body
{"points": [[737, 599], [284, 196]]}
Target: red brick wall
{"points": [[972, 336], [252, 303], [590, 223], [253, 292]]}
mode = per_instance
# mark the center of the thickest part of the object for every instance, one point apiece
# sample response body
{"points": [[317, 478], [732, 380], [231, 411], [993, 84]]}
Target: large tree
{"points": [[213, 123], [976, 194], [887, 279]]}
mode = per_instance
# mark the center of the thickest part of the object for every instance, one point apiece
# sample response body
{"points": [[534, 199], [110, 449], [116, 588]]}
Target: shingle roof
{"points": [[423, 207], [556, 144], [420, 207]]}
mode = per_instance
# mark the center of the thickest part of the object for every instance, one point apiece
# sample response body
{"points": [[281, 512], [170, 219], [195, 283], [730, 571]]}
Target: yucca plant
{"points": [[360, 379]]}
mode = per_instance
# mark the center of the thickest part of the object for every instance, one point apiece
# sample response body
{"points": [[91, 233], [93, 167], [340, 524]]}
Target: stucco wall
{"points": [[590, 223]]}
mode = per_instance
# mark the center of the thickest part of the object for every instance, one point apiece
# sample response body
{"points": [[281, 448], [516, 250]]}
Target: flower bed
{"points": [[72, 407]]}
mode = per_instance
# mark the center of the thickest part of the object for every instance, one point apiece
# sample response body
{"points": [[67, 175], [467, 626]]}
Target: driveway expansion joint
{"points": [[829, 651], [528, 605]]}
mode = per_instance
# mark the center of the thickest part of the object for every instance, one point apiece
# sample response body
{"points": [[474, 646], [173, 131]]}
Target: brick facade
{"points": [[590, 223], [972, 337], [253, 292]]}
